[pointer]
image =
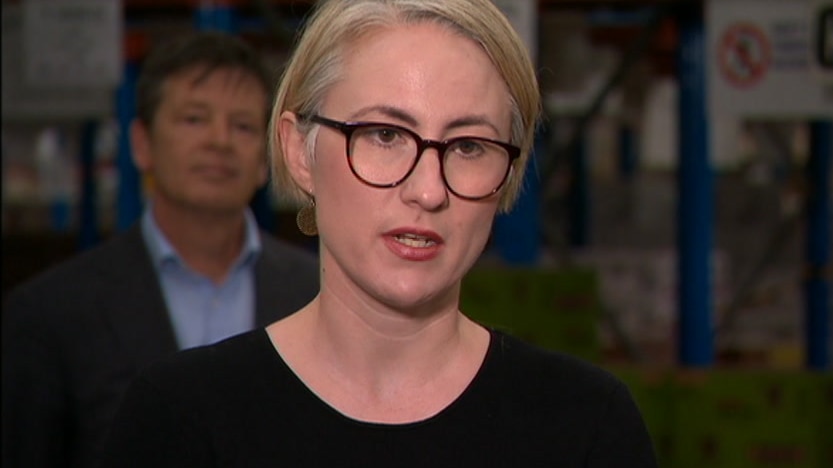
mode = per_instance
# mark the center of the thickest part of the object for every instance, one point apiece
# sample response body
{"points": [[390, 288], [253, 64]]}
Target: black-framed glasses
{"points": [[384, 155]]}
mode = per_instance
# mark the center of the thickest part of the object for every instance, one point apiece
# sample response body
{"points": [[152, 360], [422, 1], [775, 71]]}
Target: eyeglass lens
{"points": [[384, 155]]}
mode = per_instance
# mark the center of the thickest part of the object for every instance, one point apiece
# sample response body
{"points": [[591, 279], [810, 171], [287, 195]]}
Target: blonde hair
{"points": [[316, 64]]}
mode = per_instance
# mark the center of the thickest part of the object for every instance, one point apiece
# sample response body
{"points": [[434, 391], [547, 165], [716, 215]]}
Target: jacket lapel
{"points": [[268, 274], [139, 316]]}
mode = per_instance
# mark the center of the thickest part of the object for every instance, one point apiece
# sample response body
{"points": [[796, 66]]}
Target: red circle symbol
{"points": [[744, 54]]}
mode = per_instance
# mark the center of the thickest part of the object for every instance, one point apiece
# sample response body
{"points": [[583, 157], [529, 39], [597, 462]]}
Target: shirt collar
{"points": [[162, 252]]}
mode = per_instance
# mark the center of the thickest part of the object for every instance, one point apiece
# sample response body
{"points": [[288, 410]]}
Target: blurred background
{"points": [[675, 225]]}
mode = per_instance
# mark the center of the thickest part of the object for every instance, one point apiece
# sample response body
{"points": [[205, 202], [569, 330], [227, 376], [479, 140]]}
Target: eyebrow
{"points": [[196, 104], [402, 116]]}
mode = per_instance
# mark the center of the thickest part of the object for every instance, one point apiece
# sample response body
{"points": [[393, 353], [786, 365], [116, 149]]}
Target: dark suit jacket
{"points": [[76, 335]]}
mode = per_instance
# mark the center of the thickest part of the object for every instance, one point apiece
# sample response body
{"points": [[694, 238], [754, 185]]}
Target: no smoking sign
{"points": [[744, 54]]}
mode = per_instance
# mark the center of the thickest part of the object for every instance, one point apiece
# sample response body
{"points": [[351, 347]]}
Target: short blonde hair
{"points": [[316, 65]]}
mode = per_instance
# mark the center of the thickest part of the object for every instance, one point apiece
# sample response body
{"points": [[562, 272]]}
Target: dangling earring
{"points": [[306, 219]]}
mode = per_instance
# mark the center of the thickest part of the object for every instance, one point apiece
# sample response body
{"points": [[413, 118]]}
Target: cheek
{"points": [[331, 174], [477, 226], [169, 150], [340, 197]]}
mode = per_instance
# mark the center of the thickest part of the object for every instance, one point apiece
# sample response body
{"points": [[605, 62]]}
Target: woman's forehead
{"points": [[413, 64]]}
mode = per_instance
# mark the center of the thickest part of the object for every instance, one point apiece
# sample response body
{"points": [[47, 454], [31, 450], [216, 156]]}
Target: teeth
{"points": [[412, 240]]}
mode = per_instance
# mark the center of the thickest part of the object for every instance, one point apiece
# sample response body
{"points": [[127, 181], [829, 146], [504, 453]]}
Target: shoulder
{"points": [[214, 368], [280, 251], [126, 245], [586, 409], [548, 386], [554, 374], [210, 383], [81, 280], [563, 407], [201, 406], [276, 246]]}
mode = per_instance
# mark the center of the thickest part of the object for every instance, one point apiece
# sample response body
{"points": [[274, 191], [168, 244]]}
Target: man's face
{"points": [[205, 148]]}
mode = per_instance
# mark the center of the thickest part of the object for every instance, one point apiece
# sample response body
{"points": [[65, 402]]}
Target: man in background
{"points": [[194, 270]]}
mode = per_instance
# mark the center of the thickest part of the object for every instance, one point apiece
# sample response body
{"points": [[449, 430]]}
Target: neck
{"points": [[378, 343], [208, 243], [378, 364], [384, 370]]}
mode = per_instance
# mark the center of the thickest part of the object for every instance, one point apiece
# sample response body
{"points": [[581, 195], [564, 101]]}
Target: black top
{"points": [[237, 404]]}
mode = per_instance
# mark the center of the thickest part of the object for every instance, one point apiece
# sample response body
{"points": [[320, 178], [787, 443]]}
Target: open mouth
{"points": [[413, 240]]}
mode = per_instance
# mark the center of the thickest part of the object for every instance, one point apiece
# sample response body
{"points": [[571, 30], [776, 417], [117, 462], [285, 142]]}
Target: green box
{"points": [[747, 395], [743, 418], [554, 309], [823, 382], [745, 445]]}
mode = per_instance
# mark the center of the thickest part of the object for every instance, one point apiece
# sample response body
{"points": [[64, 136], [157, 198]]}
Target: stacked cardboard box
{"points": [[726, 418], [744, 418], [555, 309]]}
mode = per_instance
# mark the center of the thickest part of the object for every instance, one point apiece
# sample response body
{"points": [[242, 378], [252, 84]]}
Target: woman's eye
{"points": [[382, 135], [387, 135], [468, 147]]}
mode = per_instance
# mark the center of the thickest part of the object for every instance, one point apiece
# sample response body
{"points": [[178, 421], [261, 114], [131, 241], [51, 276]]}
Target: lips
{"points": [[415, 236], [414, 244], [215, 171], [413, 240]]}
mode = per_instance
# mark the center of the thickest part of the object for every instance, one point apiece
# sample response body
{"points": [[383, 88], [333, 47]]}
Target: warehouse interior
{"points": [[681, 242]]}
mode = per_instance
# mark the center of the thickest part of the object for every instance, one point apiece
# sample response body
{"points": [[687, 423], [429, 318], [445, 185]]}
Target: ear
{"points": [[294, 149], [140, 145]]}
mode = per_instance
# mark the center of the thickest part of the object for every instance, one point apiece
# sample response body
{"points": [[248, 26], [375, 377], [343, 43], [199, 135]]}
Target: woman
{"points": [[404, 127]]}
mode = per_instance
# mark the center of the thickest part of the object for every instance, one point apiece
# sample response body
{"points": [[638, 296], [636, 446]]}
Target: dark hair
{"points": [[208, 49]]}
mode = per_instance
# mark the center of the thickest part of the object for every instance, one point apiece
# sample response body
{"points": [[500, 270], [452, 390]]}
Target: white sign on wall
{"points": [[523, 14], [72, 42], [21, 101], [761, 59]]}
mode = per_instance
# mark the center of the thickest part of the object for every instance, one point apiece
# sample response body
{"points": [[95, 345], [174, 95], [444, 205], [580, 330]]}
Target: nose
{"points": [[221, 133], [425, 185]]}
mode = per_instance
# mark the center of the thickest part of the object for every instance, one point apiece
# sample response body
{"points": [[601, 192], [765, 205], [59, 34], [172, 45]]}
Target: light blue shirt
{"points": [[201, 311]]}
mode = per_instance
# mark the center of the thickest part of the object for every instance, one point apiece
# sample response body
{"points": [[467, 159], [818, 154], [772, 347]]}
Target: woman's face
{"points": [[406, 248]]}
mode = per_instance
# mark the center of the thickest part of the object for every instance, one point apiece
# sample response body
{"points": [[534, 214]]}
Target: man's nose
{"points": [[221, 132]]}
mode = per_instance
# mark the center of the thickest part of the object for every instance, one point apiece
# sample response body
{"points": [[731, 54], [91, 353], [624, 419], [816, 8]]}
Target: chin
{"points": [[419, 302], [227, 198]]}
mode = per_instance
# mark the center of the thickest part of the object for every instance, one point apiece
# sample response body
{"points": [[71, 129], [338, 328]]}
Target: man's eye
{"points": [[193, 118], [245, 127]]}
